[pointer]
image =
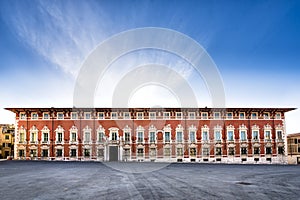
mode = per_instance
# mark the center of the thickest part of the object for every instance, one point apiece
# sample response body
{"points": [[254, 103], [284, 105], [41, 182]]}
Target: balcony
{"points": [[268, 140], [33, 142], [45, 142], [59, 142], [255, 140]]}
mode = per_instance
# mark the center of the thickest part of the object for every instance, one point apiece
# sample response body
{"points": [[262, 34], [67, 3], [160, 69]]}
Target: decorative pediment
{"points": [[152, 128], [279, 127], [33, 128], [45, 129], [243, 127], [73, 128], [87, 128], [205, 127], [100, 128], [267, 127], [140, 128], [192, 128], [59, 129], [179, 127], [218, 127], [255, 127], [230, 127], [167, 127]]}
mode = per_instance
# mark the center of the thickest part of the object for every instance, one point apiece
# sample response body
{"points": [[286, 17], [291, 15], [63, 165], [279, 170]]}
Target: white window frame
{"points": [[241, 129], [255, 128], [22, 131], [87, 115], [152, 129], [240, 115], [219, 115], [152, 115], [73, 129], [59, 129], [204, 115], [87, 129], [218, 128], [166, 115], [34, 116], [139, 115], [179, 128], [127, 129], [205, 128], [278, 115], [192, 115], [266, 115], [58, 114], [111, 131], [126, 115], [22, 116], [114, 115], [99, 115], [74, 113], [230, 128], [178, 115], [252, 113], [46, 113], [34, 132], [267, 128], [140, 129], [45, 130], [193, 129], [229, 117], [168, 129], [100, 129]]}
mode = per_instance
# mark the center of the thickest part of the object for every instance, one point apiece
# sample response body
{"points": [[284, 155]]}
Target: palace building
{"points": [[226, 135]]}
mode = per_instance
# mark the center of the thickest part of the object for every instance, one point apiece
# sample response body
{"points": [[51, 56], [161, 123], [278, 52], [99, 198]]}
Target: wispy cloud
{"points": [[56, 30]]}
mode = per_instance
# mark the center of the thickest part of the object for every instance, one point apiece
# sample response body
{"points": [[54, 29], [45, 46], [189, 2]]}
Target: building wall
{"points": [[192, 120], [293, 148], [6, 140]]}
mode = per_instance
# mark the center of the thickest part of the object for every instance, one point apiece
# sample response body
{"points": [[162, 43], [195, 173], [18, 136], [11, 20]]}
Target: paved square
{"points": [[95, 180]]}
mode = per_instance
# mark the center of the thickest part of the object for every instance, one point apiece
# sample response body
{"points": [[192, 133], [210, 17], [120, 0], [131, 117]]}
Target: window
{"points": [[229, 115], [73, 153], [205, 151], [278, 116], [22, 137], [254, 115], [114, 115], [255, 134], [46, 116], [59, 153], [114, 136], [230, 135], [45, 153], [101, 115], [231, 151], [74, 115], [21, 153], [139, 115], [100, 152], [6, 137], [218, 151], [279, 134], [140, 137], [256, 151], [167, 136], [266, 116], [193, 152], [100, 136], [244, 150], [179, 136], [192, 136], [243, 135], [33, 153], [179, 152], [167, 152], [152, 115], [86, 152], [217, 115], [87, 136], [192, 115], [268, 150], [205, 135], [59, 137], [295, 141], [34, 116], [140, 152], [298, 149], [22, 116], [152, 152], [45, 137], [241, 115], [152, 137], [281, 150], [178, 115], [33, 137], [166, 115], [60, 115], [268, 135], [87, 115], [73, 136], [204, 115], [127, 137], [217, 135], [126, 115]]}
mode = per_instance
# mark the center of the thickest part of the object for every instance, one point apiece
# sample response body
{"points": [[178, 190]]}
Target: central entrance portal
{"points": [[113, 153]]}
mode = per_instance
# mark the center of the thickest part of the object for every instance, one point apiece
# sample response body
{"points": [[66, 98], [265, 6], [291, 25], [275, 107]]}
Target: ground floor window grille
{"points": [[140, 152], [167, 152], [73, 152], [205, 151], [244, 150], [218, 151], [100, 153], [45, 153], [256, 151], [21, 153], [281, 150], [268, 150], [86, 152], [179, 152], [192, 151], [231, 151], [59, 153], [126, 153], [153, 152]]}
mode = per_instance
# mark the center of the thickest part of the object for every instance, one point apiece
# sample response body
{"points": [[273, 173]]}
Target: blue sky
{"points": [[255, 45]]}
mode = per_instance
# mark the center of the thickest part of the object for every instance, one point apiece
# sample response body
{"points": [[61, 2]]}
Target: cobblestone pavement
{"points": [[95, 180]]}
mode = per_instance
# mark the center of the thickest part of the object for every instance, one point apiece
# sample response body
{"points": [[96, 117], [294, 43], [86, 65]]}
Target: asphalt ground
{"points": [[95, 180]]}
